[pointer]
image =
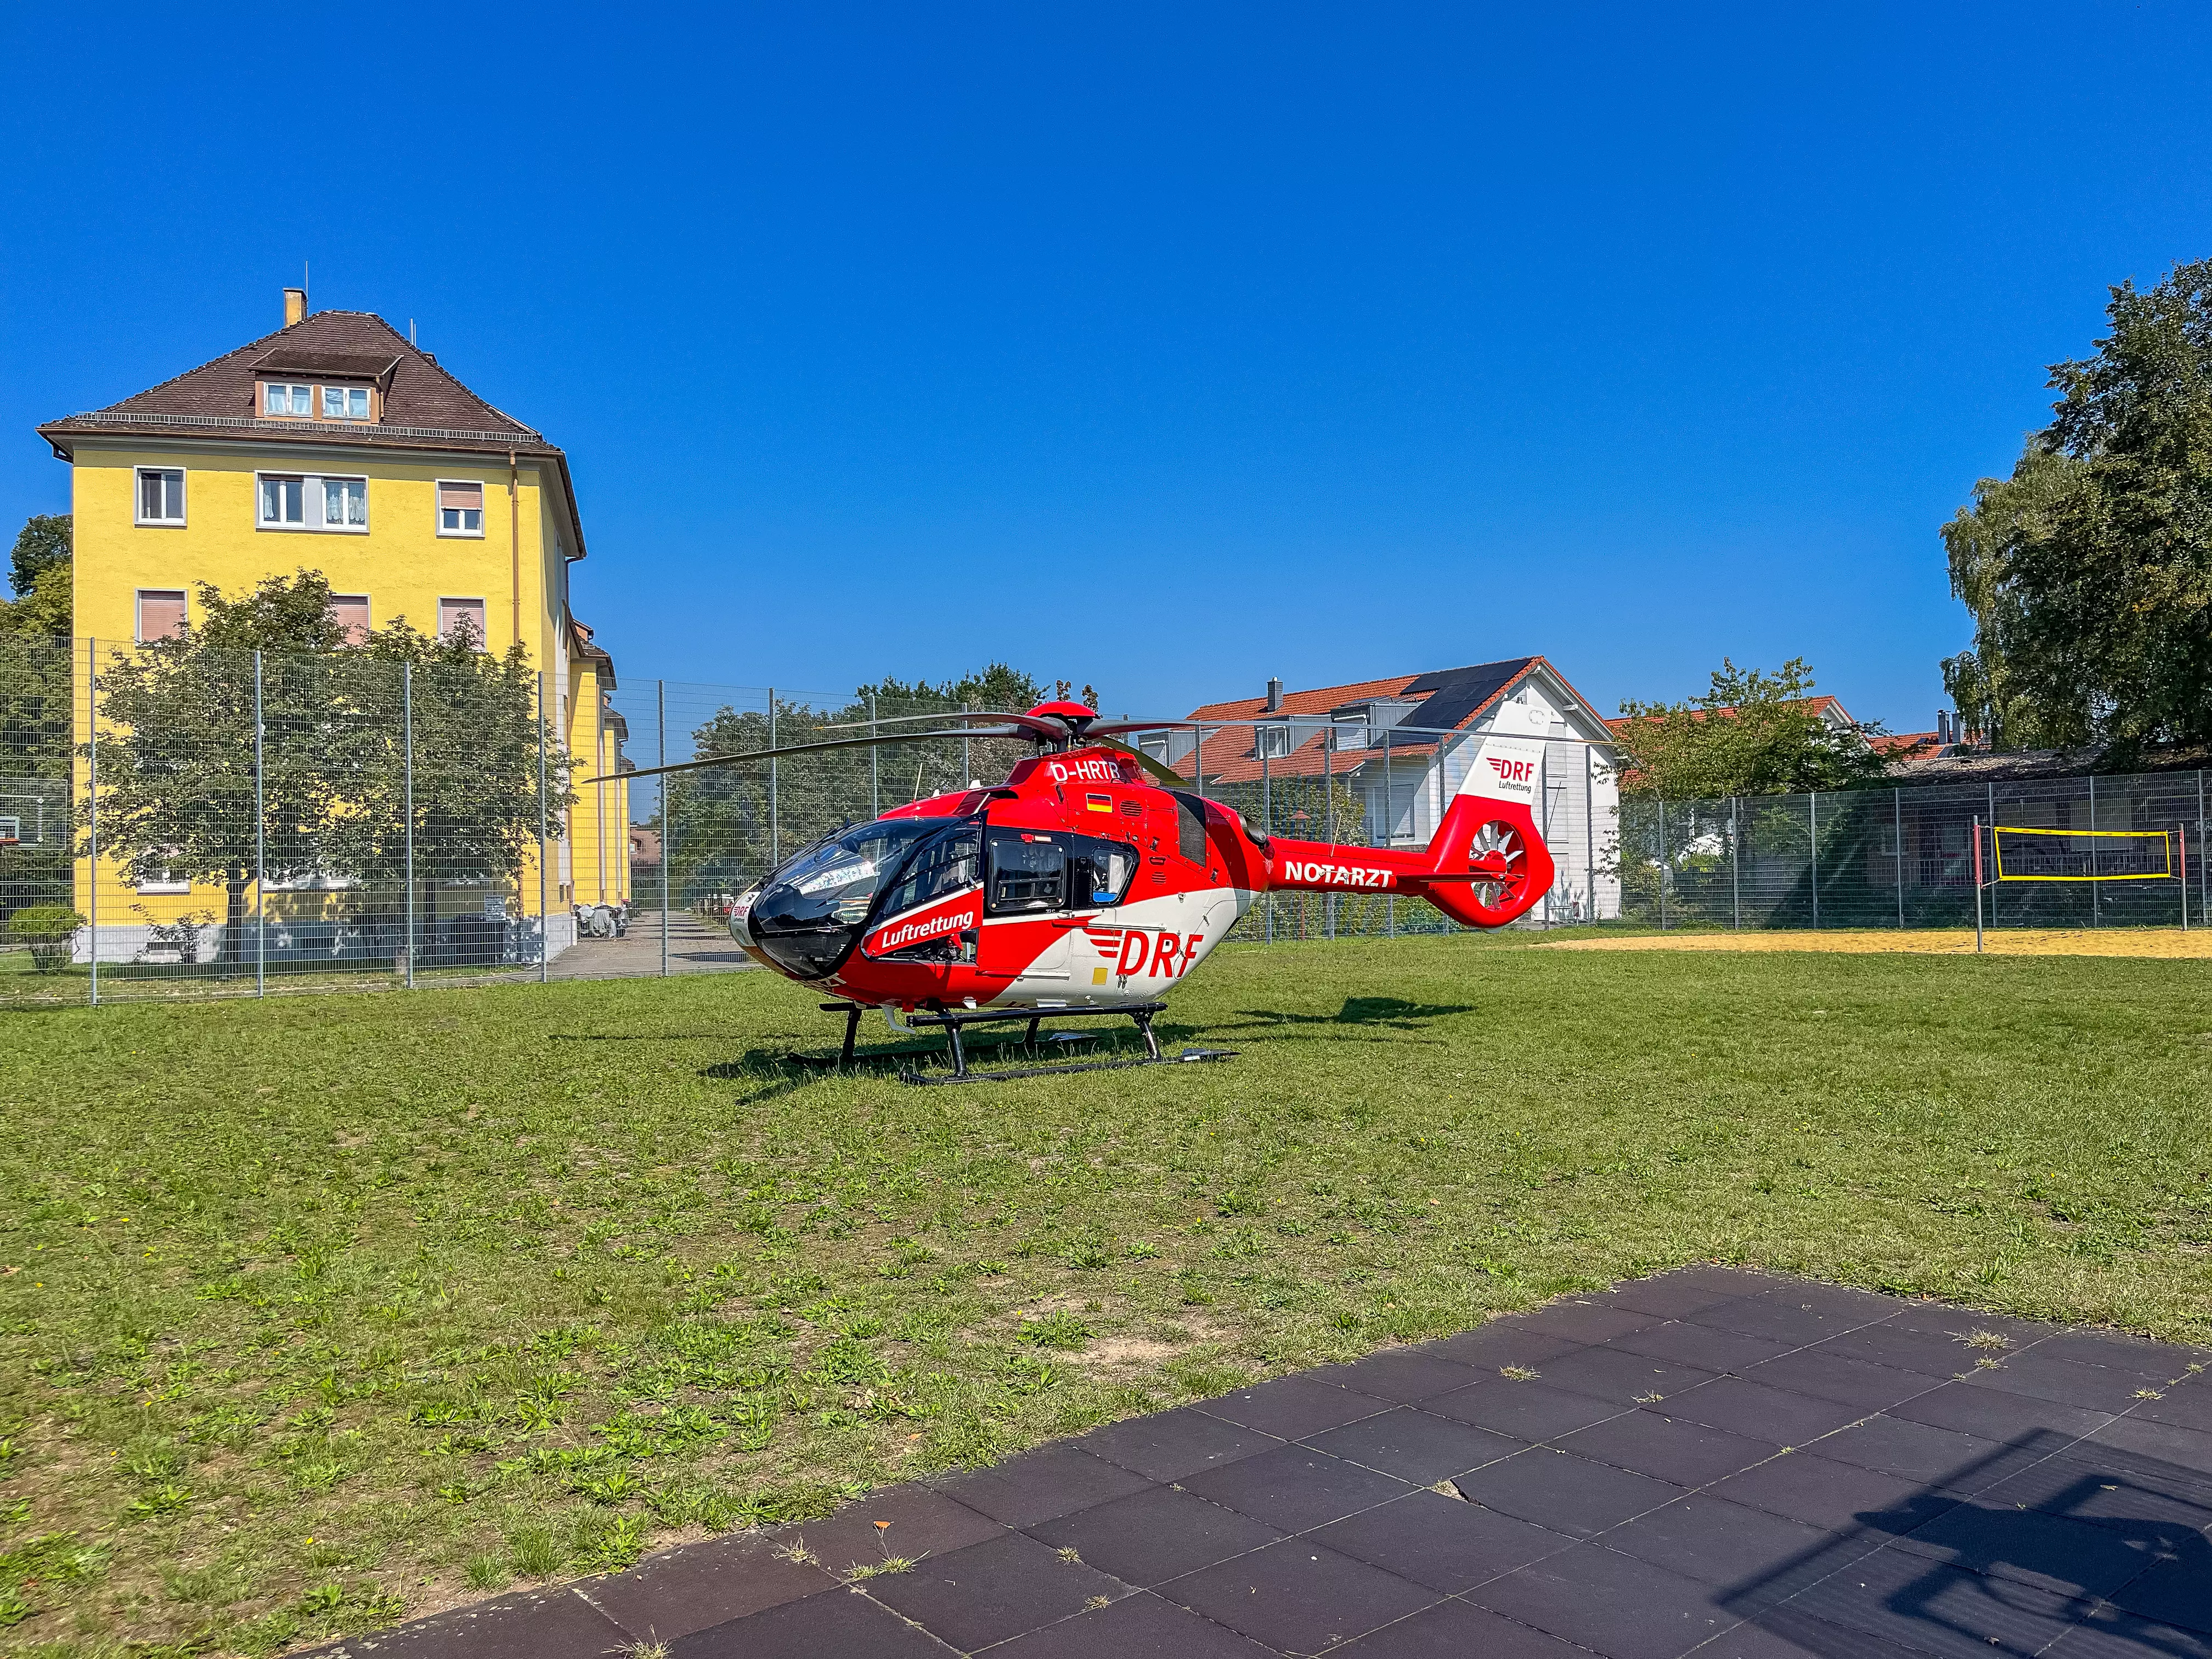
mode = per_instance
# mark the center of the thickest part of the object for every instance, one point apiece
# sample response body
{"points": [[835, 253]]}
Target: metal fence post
{"points": [[1389, 839], [1266, 815], [660, 694], [2096, 893], [774, 768], [1896, 825], [1997, 885], [967, 757], [875, 780], [407, 742], [544, 891], [1328, 822], [92, 809], [2203, 915], [1662, 863], [1812, 834], [1735, 880], [260, 848], [1589, 834]]}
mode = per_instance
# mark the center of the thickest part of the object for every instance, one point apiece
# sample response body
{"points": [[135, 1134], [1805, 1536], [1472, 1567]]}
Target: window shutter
{"points": [[453, 615], [160, 615], [350, 611], [468, 496]]}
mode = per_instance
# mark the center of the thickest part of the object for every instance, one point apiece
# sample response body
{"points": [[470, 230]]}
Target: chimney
{"points": [[295, 306], [1274, 697]]}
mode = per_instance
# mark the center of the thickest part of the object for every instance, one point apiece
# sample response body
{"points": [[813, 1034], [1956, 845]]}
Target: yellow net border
{"points": [[2165, 839]]}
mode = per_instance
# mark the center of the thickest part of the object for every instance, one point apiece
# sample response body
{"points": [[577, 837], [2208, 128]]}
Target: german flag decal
{"points": [[1099, 803]]}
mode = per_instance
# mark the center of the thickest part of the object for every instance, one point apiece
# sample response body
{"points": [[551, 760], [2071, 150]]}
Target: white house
{"points": [[1401, 746]]}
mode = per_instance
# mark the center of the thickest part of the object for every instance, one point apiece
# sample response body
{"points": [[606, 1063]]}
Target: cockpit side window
{"points": [[1099, 871], [944, 867], [1029, 872]]}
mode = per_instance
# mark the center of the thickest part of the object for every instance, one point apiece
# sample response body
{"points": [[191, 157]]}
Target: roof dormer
{"points": [[294, 384]]}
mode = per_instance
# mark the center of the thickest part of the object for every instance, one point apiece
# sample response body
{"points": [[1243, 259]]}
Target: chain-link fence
{"points": [[177, 820], [1903, 857]]}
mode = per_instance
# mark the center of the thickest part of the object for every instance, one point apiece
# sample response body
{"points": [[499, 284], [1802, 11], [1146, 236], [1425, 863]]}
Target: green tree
{"points": [[1750, 733], [42, 544], [34, 714], [177, 768], [2089, 571]]}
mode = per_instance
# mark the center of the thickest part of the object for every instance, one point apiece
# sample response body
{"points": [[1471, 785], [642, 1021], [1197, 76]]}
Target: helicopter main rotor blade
{"points": [[1166, 775], [805, 749], [1005, 715]]}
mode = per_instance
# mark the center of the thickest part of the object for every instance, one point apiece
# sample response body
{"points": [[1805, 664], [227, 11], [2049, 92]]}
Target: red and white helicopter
{"points": [[1091, 881]]}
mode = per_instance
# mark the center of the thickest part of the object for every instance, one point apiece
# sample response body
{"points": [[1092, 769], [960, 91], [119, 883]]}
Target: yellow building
{"points": [[336, 445]]}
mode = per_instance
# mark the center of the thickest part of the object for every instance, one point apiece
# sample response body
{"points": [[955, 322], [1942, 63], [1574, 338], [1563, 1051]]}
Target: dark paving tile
{"points": [[1762, 1412], [1039, 1484], [988, 1592], [2118, 1465], [1294, 1487], [1567, 1494], [1702, 1345], [1399, 1373], [1993, 1415], [2110, 1632], [1439, 1541], [1581, 1321], [1938, 1357], [2190, 1449], [2127, 1353], [554, 1624], [1292, 1408], [1821, 1493], [1452, 1630], [1909, 1601], [1621, 1606], [2186, 1404], [1842, 1301], [1415, 1445], [1169, 1445], [921, 1522], [1526, 1411], [1909, 1450], [1299, 1596], [1489, 1346], [681, 1590], [1625, 1378], [1688, 1454], [1155, 1534], [1784, 1634], [1677, 1296], [1836, 1376], [1722, 1543], [1140, 1626], [1937, 1319], [2176, 1591], [1760, 1315], [2025, 1546], [2059, 1486], [2091, 1387], [843, 1622]]}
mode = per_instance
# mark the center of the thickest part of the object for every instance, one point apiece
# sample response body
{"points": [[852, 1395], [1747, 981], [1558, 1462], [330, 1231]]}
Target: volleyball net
{"points": [[2025, 854]]}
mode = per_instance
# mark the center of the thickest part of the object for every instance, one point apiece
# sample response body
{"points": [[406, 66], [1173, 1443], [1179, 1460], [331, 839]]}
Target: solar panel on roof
{"points": [[1451, 695]]}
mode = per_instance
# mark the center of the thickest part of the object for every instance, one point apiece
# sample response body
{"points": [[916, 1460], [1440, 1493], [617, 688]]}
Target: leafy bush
{"points": [[47, 929]]}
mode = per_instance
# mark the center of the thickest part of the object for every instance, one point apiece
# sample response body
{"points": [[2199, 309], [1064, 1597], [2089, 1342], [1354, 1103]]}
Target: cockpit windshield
{"points": [[810, 912]]}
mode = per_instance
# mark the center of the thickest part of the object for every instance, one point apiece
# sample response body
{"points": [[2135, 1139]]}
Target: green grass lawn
{"points": [[321, 1311]]}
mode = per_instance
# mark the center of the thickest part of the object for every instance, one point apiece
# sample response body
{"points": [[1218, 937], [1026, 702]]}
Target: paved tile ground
{"points": [[1733, 1464]]}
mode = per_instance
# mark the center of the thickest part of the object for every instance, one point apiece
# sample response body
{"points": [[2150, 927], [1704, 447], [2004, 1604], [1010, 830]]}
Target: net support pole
{"points": [[407, 747], [1897, 827], [1813, 844], [2096, 892], [2181, 835], [260, 849], [1977, 887], [661, 722], [1735, 882], [1662, 863]]}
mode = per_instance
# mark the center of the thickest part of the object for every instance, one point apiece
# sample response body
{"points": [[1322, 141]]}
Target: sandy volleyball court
{"points": [[2009, 942]]}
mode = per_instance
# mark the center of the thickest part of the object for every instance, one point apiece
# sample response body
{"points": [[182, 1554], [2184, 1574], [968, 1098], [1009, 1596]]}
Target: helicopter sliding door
{"points": [[1026, 896]]}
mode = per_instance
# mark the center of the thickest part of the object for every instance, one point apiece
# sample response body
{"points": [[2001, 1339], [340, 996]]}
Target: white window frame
{"points": [[344, 395], [1272, 739], [290, 386], [484, 634], [311, 484], [484, 493], [167, 882], [139, 498]]}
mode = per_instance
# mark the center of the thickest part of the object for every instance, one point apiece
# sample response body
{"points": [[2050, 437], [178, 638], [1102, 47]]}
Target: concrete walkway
{"points": [[1732, 1464], [695, 946]]}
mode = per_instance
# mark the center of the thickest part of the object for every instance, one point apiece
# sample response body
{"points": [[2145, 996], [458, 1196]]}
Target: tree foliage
{"points": [[2089, 571], [1750, 733], [177, 762]]}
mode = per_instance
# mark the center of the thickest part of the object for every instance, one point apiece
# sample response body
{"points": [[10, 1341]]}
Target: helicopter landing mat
{"points": [[2170, 942], [1743, 1464]]}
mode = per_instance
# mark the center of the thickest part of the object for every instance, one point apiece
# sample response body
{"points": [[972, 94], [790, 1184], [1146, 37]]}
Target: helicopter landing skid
{"points": [[954, 1021]]}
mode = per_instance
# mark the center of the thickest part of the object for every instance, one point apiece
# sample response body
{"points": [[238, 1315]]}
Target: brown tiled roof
{"points": [[425, 407]]}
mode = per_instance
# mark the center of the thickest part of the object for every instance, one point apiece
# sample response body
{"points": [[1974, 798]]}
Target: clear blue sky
{"points": [[1167, 348]]}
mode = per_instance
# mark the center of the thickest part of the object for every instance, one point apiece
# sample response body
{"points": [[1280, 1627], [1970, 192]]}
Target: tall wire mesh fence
{"points": [[177, 821]]}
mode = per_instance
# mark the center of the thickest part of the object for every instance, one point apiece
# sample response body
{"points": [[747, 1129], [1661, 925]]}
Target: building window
{"points": [[286, 399], [1273, 741], [160, 614], [460, 508], [298, 502], [345, 403], [462, 620], [160, 495], [350, 612], [163, 881]]}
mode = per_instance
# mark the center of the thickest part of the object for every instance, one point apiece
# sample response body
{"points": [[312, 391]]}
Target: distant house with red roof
{"points": [[1395, 745]]}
